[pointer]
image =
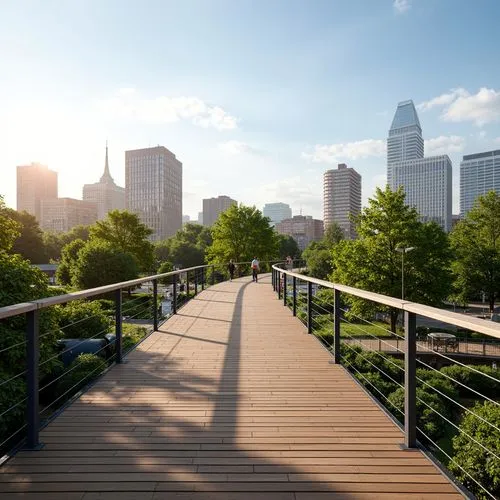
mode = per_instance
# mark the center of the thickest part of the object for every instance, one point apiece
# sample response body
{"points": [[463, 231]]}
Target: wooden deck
{"points": [[230, 400]]}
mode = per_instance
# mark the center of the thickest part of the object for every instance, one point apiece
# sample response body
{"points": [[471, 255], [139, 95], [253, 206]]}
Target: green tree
{"points": [[69, 258], [318, 257], [99, 263], [79, 232], [333, 234], [9, 228], [476, 242], [124, 231], [240, 233], [483, 466], [287, 246], [373, 263], [165, 267], [29, 243], [53, 245]]}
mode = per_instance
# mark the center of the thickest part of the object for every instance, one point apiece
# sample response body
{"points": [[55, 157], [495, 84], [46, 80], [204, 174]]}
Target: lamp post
{"points": [[402, 251]]}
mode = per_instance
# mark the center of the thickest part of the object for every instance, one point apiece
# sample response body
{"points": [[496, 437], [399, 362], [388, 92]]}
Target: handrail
{"points": [[479, 325]]}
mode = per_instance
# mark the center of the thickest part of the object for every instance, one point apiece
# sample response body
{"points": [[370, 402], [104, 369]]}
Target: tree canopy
{"points": [[287, 246], [69, 258], [9, 228], [30, 242], [476, 242]]}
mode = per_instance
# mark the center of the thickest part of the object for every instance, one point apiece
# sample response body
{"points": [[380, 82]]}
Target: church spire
{"points": [[106, 176]]}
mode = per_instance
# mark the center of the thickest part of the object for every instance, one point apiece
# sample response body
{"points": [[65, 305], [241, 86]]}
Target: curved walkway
{"points": [[230, 400]]}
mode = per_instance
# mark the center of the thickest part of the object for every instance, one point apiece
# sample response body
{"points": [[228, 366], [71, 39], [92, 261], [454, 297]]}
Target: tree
{"points": [[29, 243], [333, 234], [373, 263], [318, 257], [53, 245], [124, 231], [99, 263], [483, 466], [241, 233], [476, 242], [79, 232], [165, 267], [287, 246], [69, 258], [9, 229]]}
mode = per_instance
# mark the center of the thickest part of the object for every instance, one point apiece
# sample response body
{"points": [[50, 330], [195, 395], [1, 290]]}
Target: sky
{"points": [[257, 98]]}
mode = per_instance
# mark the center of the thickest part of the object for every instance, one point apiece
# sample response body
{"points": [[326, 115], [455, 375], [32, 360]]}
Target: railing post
{"points": [[309, 307], [294, 287], [284, 288], [32, 358], [279, 285], [272, 278], [174, 294], [213, 275], [118, 325], [196, 282], [187, 286], [202, 279], [410, 380], [155, 305], [336, 326]]}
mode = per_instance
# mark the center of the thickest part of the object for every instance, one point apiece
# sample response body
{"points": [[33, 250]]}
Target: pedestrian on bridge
{"points": [[231, 267], [255, 269]]}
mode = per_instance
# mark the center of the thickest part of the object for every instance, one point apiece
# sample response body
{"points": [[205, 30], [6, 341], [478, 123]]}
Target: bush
{"points": [[437, 381], [54, 291], [10, 394], [484, 385], [366, 360], [349, 352], [166, 267], [138, 306], [83, 320], [370, 379], [132, 334], [480, 464]]}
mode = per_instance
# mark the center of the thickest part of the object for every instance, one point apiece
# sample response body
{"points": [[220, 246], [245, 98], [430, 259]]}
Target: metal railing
{"points": [[413, 387]]}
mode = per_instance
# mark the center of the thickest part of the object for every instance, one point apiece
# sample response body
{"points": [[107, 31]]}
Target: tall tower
{"points": [[153, 187], [213, 207], [341, 198]]}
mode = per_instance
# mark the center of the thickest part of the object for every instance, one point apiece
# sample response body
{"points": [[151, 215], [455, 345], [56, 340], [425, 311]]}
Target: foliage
{"points": [[333, 234], [374, 361], [476, 242], [287, 247], [437, 381], [165, 267], [318, 257], [29, 243], [373, 263], [138, 306], [242, 233], [10, 394], [69, 257], [376, 383], [132, 335], [55, 242], [476, 461], [82, 319], [9, 228], [477, 382], [100, 264], [125, 232]]}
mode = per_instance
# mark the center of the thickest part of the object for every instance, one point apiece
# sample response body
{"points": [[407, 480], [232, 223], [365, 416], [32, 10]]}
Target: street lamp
{"points": [[402, 251]]}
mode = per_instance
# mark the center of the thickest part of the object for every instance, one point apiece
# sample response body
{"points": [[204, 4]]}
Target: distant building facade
{"points": [[427, 182], [200, 218], [35, 183], [277, 212], [302, 228], [186, 219], [153, 189], [342, 198], [213, 207], [105, 193], [61, 214], [479, 174]]}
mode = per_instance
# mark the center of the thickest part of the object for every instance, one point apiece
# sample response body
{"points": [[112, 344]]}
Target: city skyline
{"points": [[226, 107]]}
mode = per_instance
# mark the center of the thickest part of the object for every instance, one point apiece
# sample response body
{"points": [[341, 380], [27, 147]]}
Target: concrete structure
{"points": [[342, 198], [213, 207], [35, 183], [61, 214], [105, 193], [479, 174], [277, 212], [302, 228], [153, 188], [427, 181]]}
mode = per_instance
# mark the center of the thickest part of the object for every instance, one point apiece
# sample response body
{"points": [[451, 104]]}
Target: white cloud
{"points": [[128, 104], [443, 145], [459, 105], [496, 141], [401, 6], [236, 148], [334, 153]]}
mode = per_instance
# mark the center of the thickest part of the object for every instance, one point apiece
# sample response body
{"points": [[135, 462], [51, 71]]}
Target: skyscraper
{"points": [[302, 228], [479, 174], [213, 207], [35, 183], [277, 212], [427, 182], [341, 198], [153, 188], [105, 193]]}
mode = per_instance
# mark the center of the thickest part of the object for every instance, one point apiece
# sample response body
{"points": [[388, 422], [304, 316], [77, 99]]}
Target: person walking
{"points": [[231, 267], [255, 269]]}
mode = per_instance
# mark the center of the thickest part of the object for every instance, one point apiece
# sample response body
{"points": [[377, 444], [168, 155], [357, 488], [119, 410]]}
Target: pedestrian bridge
{"points": [[228, 399]]}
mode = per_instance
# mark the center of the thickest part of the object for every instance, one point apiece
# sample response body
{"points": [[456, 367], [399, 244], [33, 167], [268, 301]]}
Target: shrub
{"points": [[10, 394], [166, 267], [83, 320], [437, 381], [484, 385], [132, 334], [370, 379], [138, 306], [349, 352], [480, 464], [366, 361]]}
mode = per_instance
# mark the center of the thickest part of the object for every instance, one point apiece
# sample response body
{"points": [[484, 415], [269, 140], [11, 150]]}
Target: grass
{"points": [[377, 329]]}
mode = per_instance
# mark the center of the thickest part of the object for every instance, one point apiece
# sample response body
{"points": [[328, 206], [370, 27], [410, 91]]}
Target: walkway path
{"points": [[230, 400]]}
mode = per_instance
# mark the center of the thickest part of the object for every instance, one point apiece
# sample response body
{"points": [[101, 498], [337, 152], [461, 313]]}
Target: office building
{"points": [[479, 174], [105, 193], [342, 198], [277, 212], [153, 189], [200, 218], [302, 228], [427, 182], [186, 219], [61, 214], [213, 207], [35, 183]]}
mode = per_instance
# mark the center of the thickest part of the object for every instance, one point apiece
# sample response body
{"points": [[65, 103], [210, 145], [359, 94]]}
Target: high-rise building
{"points": [[200, 218], [479, 174], [153, 188], [213, 207], [342, 198], [105, 193], [277, 212], [35, 183], [302, 228], [427, 182], [61, 214], [186, 219]]}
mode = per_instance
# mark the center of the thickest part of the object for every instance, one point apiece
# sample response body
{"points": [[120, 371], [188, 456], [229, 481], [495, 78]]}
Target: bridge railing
{"points": [[443, 399]]}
